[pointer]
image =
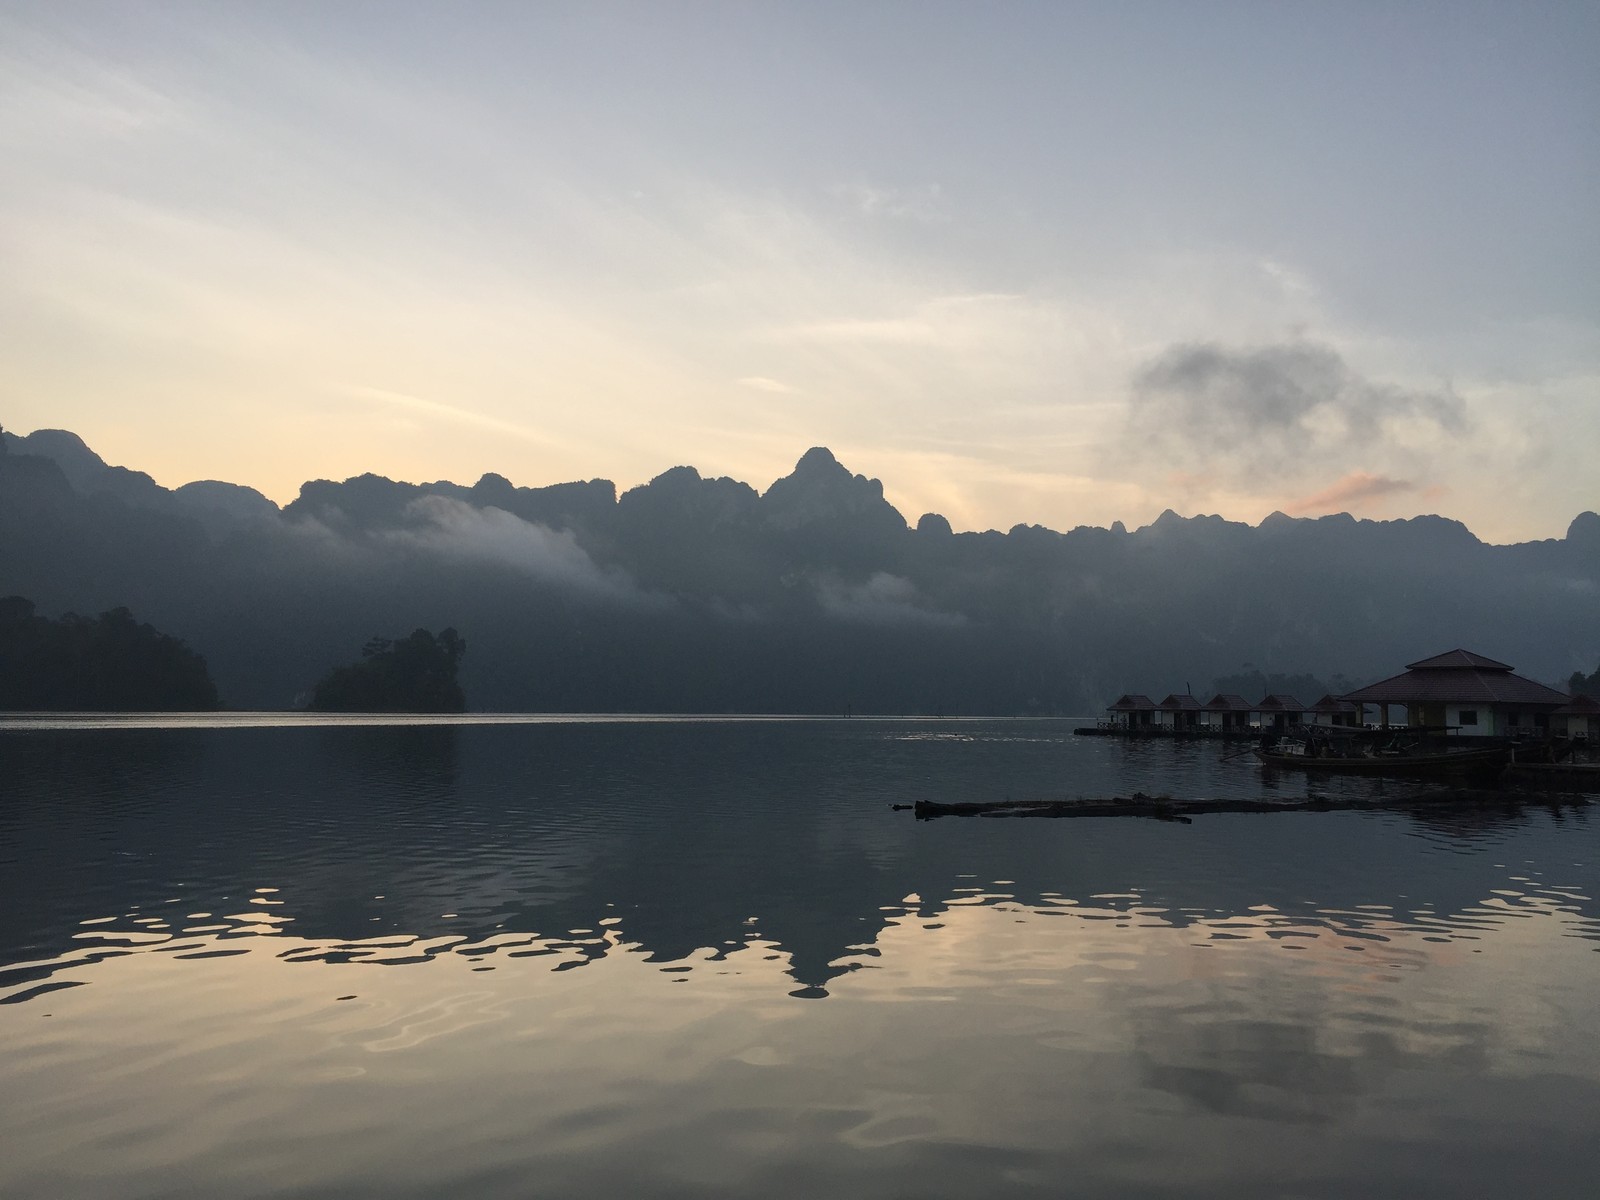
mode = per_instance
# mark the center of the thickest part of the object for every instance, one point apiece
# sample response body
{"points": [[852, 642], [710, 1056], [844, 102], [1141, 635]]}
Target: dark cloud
{"points": [[1265, 408]]}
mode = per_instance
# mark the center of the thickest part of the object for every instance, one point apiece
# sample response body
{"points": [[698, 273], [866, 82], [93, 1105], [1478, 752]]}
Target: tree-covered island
{"points": [[415, 674], [109, 663]]}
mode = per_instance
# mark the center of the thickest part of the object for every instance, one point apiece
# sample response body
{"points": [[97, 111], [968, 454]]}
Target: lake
{"points": [[254, 956]]}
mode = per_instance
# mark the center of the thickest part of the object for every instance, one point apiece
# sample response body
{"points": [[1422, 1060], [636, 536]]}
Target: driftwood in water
{"points": [[1165, 808]]}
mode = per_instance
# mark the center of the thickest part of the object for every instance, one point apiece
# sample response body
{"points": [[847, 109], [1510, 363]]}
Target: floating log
{"points": [[1165, 808]]}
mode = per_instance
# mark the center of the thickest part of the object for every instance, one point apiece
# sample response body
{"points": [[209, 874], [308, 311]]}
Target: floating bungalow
{"points": [[1226, 714], [1578, 718], [1132, 713], [1465, 693], [1179, 712], [1279, 712], [1459, 692], [1335, 711], [1181, 715]]}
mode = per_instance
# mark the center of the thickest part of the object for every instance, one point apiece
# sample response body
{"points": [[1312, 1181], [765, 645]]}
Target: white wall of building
{"points": [[1482, 722]]}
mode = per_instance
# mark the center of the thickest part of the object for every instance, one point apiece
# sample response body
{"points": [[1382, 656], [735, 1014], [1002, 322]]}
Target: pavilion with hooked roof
{"points": [[1464, 693]]}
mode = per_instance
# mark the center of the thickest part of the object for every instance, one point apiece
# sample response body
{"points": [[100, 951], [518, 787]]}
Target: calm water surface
{"points": [[651, 958]]}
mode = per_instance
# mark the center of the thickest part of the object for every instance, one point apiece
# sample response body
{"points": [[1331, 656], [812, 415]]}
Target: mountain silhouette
{"points": [[691, 593]]}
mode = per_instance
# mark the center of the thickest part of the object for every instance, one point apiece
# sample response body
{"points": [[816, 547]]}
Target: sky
{"points": [[1055, 264]]}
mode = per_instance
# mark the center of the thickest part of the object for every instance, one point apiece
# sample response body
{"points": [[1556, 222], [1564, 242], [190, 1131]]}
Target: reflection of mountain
{"points": [[679, 838], [695, 594]]}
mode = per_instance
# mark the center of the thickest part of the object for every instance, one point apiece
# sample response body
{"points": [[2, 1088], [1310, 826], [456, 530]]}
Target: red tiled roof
{"points": [[1579, 706], [1333, 704], [1457, 660], [1182, 701], [1138, 702], [1228, 703], [1458, 686], [1278, 702]]}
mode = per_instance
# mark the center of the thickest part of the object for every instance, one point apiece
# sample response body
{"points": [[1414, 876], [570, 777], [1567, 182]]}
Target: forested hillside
{"points": [[816, 595]]}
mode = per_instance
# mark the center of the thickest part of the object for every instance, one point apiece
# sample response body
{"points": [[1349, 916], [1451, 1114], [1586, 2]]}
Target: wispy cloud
{"points": [[761, 383], [55, 100], [453, 529], [896, 330], [1356, 490], [955, 322], [884, 599], [925, 202], [439, 410]]}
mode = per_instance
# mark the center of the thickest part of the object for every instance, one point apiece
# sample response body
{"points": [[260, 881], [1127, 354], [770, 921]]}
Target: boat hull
{"points": [[1580, 777], [1488, 761]]}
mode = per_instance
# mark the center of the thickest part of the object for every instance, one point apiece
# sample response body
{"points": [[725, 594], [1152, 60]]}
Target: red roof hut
{"points": [[1465, 692]]}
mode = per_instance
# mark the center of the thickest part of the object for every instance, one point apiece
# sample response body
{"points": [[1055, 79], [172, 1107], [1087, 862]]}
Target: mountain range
{"points": [[816, 595]]}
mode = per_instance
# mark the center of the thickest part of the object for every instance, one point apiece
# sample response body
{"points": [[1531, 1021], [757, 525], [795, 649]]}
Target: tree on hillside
{"points": [[1306, 688], [109, 663], [1588, 685], [415, 674]]}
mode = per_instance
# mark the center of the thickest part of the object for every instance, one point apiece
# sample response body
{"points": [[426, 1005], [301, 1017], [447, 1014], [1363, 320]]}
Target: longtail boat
{"points": [[1352, 759]]}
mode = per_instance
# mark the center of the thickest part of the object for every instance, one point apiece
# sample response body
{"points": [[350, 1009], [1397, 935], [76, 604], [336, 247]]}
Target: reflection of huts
{"points": [[1279, 711], [1332, 710], [1579, 717], [1180, 711], [1133, 712], [1229, 713], [1466, 693]]}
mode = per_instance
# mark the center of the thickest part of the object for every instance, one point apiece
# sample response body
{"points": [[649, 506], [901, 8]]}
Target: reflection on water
{"points": [[690, 958]]}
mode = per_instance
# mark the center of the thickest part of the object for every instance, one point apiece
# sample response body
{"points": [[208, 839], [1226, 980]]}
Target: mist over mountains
{"points": [[816, 595]]}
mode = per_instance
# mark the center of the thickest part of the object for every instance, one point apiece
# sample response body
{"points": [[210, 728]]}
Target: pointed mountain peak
{"points": [[1167, 524], [821, 488]]}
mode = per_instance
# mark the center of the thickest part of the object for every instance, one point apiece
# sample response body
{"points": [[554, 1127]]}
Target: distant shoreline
{"points": [[291, 719]]}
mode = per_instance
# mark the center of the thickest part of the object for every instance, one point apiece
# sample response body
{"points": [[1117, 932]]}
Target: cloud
{"points": [[57, 99], [884, 599], [924, 203], [891, 330], [1268, 410], [1356, 490], [762, 384], [988, 322], [1291, 281], [448, 412], [454, 529]]}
